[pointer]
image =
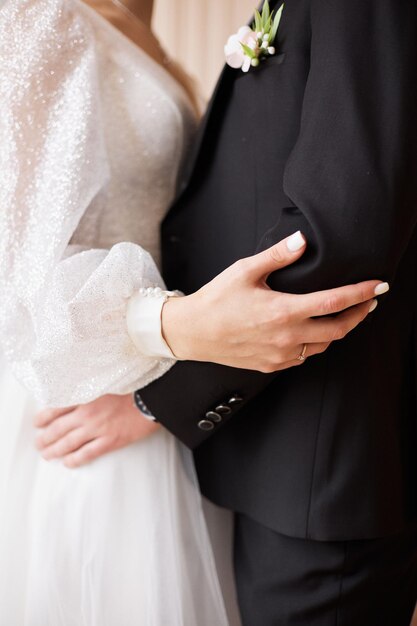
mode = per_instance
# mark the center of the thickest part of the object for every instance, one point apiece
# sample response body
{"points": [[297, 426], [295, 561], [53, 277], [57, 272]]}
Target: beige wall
{"points": [[195, 31]]}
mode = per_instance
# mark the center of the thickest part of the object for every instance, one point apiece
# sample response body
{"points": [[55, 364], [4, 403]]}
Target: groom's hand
{"points": [[238, 321], [78, 435]]}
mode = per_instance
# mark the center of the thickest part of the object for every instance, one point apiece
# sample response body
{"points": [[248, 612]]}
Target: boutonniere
{"points": [[249, 46]]}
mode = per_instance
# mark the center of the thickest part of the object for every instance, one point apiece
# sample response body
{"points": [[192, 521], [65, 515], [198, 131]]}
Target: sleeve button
{"points": [[205, 425], [235, 400], [223, 409], [214, 416]]}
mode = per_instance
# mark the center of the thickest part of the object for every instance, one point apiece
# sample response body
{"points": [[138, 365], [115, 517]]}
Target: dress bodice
{"points": [[148, 123]]}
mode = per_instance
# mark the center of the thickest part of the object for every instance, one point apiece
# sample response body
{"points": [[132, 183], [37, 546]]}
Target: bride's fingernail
{"points": [[373, 306], [381, 289], [296, 242]]}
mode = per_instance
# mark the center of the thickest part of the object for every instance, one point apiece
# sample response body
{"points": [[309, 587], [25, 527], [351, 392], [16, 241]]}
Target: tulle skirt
{"points": [[120, 542]]}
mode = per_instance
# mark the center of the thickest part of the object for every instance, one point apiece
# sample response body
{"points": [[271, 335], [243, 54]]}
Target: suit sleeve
{"points": [[351, 177], [351, 183]]}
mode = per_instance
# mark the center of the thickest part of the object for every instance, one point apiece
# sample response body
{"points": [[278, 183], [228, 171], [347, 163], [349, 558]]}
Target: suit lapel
{"points": [[226, 74], [195, 151]]}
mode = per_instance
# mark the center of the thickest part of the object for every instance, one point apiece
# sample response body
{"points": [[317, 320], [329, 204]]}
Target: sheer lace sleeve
{"points": [[62, 312]]}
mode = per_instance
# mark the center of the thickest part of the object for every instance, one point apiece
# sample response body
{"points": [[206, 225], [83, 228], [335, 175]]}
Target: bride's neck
{"points": [[122, 13], [125, 12], [142, 9]]}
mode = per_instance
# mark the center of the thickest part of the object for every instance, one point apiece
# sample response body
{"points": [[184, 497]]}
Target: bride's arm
{"points": [[62, 318], [81, 434]]}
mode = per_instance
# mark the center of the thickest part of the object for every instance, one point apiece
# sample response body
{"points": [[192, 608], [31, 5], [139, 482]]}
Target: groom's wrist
{"points": [[140, 404]]}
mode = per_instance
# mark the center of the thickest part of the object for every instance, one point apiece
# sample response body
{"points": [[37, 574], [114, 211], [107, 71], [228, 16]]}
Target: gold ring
{"points": [[302, 356]]}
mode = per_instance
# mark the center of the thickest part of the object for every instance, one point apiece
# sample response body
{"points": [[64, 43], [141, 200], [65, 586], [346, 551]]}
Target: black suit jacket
{"points": [[322, 137]]}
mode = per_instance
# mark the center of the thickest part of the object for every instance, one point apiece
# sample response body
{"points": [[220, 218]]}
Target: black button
{"points": [[223, 409], [235, 400], [205, 425], [214, 416], [174, 239]]}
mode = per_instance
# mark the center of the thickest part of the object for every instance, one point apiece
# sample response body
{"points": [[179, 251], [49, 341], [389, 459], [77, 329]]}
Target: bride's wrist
{"points": [[176, 327]]}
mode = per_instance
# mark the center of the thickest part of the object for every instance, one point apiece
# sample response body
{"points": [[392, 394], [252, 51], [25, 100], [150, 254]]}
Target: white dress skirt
{"points": [[93, 134]]}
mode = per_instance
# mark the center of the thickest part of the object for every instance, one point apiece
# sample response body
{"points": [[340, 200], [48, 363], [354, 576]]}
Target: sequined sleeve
{"points": [[62, 314]]}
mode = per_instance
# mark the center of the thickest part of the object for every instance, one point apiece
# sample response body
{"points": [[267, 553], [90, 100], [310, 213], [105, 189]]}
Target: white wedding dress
{"points": [[92, 136]]}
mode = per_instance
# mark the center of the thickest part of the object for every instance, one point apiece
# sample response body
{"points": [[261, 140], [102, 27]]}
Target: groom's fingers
{"points": [[57, 429], [91, 451], [45, 417], [333, 301], [67, 444]]}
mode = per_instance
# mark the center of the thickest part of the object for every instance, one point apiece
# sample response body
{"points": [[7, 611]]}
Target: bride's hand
{"points": [[237, 320], [78, 435]]}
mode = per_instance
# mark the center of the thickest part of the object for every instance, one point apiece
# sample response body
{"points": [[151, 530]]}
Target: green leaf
{"points": [[275, 26], [265, 13], [248, 51], [258, 21], [267, 25]]}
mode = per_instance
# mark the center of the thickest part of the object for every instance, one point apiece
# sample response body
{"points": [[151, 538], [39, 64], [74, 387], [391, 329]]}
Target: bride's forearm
{"points": [[238, 321]]}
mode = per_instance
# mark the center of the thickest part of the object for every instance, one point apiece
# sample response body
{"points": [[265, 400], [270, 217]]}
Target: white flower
{"points": [[235, 55], [245, 34], [246, 64], [249, 46], [234, 52]]}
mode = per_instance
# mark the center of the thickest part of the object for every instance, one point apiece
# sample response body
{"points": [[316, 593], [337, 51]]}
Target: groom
{"points": [[319, 463]]}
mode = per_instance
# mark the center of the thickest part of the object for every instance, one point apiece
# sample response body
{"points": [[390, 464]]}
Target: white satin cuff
{"points": [[144, 323]]}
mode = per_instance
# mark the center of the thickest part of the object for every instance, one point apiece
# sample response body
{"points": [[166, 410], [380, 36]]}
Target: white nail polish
{"points": [[381, 289], [296, 242], [373, 306]]}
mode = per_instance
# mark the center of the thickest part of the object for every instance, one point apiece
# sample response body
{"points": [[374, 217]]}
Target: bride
{"points": [[94, 127]]}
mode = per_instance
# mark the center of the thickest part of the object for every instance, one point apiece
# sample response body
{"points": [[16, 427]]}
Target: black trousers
{"points": [[284, 581]]}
